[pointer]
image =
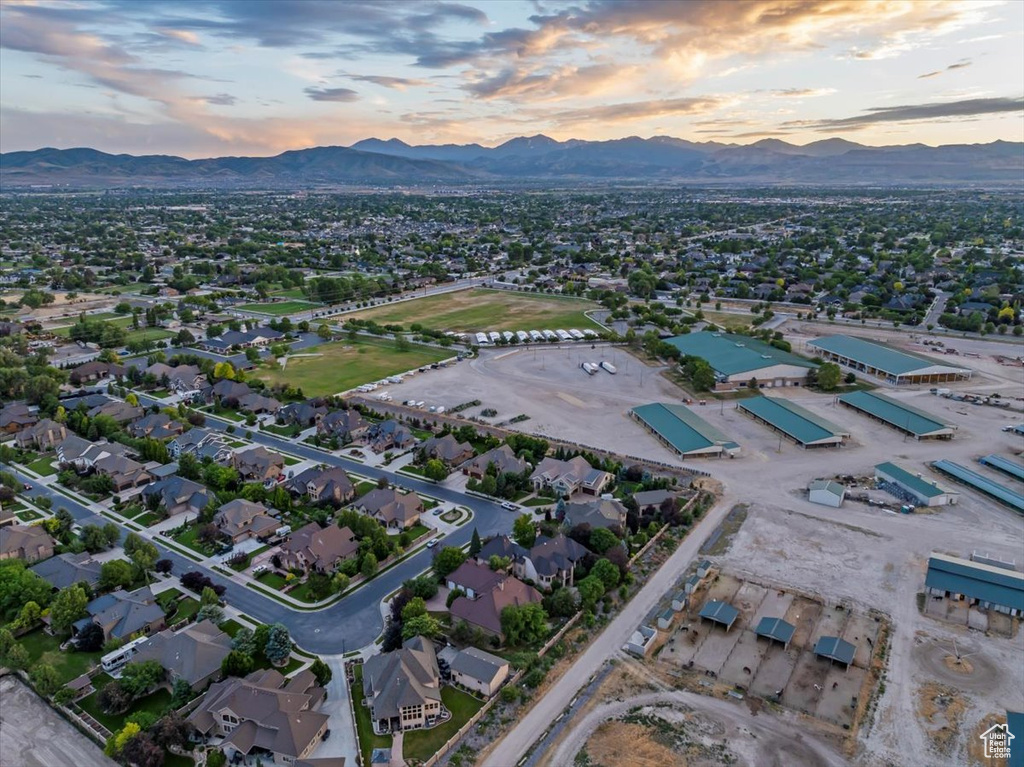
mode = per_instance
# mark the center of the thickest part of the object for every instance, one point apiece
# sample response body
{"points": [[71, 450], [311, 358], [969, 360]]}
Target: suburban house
{"points": [[473, 578], [403, 687], [123, 471], [121, 412], [569, 477], [66, 570], [304, 414], [389, 435], [256, 403], [263, 716], [199, 442], [194, 654], [156, 426], [390, 507], [15, 417], [83, 454], [178, 495], [479, 671], [95, 371], [121, 614], [45, 435], [346, 425], [243, 339], [257, 464], [601, 512], [226, 393], [180, 379], [652, 499], [241, 519], [30, 543], [447, 450], [551, 562], [504, 460], [323, 485], [484, 612], [312, 548]]}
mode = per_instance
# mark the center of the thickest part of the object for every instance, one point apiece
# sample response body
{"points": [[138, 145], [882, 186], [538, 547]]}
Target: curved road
{"points": [[355, 620]]}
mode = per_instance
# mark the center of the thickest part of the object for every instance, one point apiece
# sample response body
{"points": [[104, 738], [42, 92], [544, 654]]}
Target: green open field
{"points": [[295, 293], [342, 365], [485, 310], [280, 308], [728, 320]]}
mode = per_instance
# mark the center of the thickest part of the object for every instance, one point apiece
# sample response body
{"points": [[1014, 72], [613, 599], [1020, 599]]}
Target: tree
{"points": [[181, 692], [139, 678], [94, 539], [401, 343], [45, 679], [324, 331], [216, 758], [413, 608], [489, 485], [142, 553], [18, 586], [369, 565], [602, 539], [590, 589], [30, 614], [475, 543], [435, 470], [245, 641], [829, 376], [523, 531], [322, 672], [117, 741], [279, 644], [422, 625], [523, 624], [213, 613], [16, 658], [90, 638], [116, 574], [562, 603], [236, 663], [164, 566], [607, 573], [423, 586], [447, 560], [68, 606], [6, 643]]}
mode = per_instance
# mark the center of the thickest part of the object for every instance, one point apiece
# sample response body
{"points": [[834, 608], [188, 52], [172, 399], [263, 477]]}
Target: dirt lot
{"points": [[34, 735]]}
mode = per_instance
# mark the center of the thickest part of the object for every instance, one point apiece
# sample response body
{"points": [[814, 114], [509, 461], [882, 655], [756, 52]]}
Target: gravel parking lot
{"points": [[34, 735]]}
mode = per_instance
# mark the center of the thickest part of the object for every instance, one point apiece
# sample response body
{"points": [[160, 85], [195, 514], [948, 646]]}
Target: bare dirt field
{"points": [[34, 735]]}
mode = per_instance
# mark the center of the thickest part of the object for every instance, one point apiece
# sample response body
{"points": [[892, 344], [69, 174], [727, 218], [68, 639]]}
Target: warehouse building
{"points": [[912, 487], [825, 492], [893, 366], [988, 586], [798, 424], [982, 484], [737, 360], [1005, 465], [683, 431], [909, 420]]}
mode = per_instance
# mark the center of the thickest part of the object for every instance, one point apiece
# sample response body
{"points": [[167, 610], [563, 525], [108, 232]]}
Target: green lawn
{"points": [[187, 608], [272, 580], [230, 627], [164, 598], [292, 430], [188, 539], [364, 727], [43, 466], [417, 530], [147, 519], [156, 704], [148, 334], [342, 365], [301, 592], [423, 744], [362, 488], [28, 515], [728, 320], [295, 293], [281, 307], [479, 309], [43, 648]]}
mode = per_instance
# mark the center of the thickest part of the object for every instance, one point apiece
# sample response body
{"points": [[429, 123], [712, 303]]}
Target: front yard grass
{"points": [[272, 580], [43, 466], [187, 608], [417, 530], [423, 744], [364, 727]]}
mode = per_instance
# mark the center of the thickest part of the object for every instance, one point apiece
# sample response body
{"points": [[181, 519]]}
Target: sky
{"points": [[207, 78]]}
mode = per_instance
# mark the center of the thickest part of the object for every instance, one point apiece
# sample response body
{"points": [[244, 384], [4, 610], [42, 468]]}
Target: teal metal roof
{"points": [[1010, 497], [879, 356], [836, 649], [800, 424], [720, 612], [775, 628], [729, 354], [896, 413], [681, 427], [985, 582], [1005, 465], [920, 486]]}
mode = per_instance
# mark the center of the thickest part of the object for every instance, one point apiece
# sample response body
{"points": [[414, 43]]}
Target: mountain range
{"points": [[535, 159]]}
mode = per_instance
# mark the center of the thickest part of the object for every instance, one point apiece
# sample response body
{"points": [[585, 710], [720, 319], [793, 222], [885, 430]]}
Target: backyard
{"points": [[422, 744], [43, 648], [485, 310], [342, 365], [364, 727], [155, 703]]}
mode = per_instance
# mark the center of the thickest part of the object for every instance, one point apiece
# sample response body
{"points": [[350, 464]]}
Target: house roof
{"points": [[193, 654], [501, 546], [828, 486], [33, 540], [66, 570], [391, 505], [485, 611], [478, 664], [1003, 464], [447, 448], [405, 677], [600, 512], [503, 458], [322, 546], [472, 576], [175, 490], [976, 580], [734, 354], [835, 649], [1011, 498], [122, 613], [719, 612], [553, 555]]}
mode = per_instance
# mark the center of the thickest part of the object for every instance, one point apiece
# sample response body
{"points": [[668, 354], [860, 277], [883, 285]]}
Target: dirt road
{"points": [[517, 742]]}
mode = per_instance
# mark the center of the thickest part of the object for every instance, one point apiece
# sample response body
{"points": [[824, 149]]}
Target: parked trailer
{"points": [[521, 335], [507, 335], [589, 367], [536, 335], [562, 335], [550, 335], [609, 367], [575, 334], [494, 335], [481, 338]]}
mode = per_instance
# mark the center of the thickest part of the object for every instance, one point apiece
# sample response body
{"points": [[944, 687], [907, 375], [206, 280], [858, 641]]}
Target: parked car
{"points": [[509, 506], [431, 543]]}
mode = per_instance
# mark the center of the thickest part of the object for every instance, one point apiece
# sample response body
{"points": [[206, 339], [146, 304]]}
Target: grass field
{"points": [[729, 321], [295, 293], [148, 334], [43, 648], [280, 308], [485, 310], [43, 466], [342, 365]]}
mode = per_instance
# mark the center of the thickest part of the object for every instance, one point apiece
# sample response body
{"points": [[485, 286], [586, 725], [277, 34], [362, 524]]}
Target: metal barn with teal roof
{"points": [[917, 423], [683, 431], [892, 365], [799, 424], [736, 360]]}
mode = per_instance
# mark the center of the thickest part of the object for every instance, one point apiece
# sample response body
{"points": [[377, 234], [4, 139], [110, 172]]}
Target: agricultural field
{"points": [[485, 310], [341, 365], [280, 308]]}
